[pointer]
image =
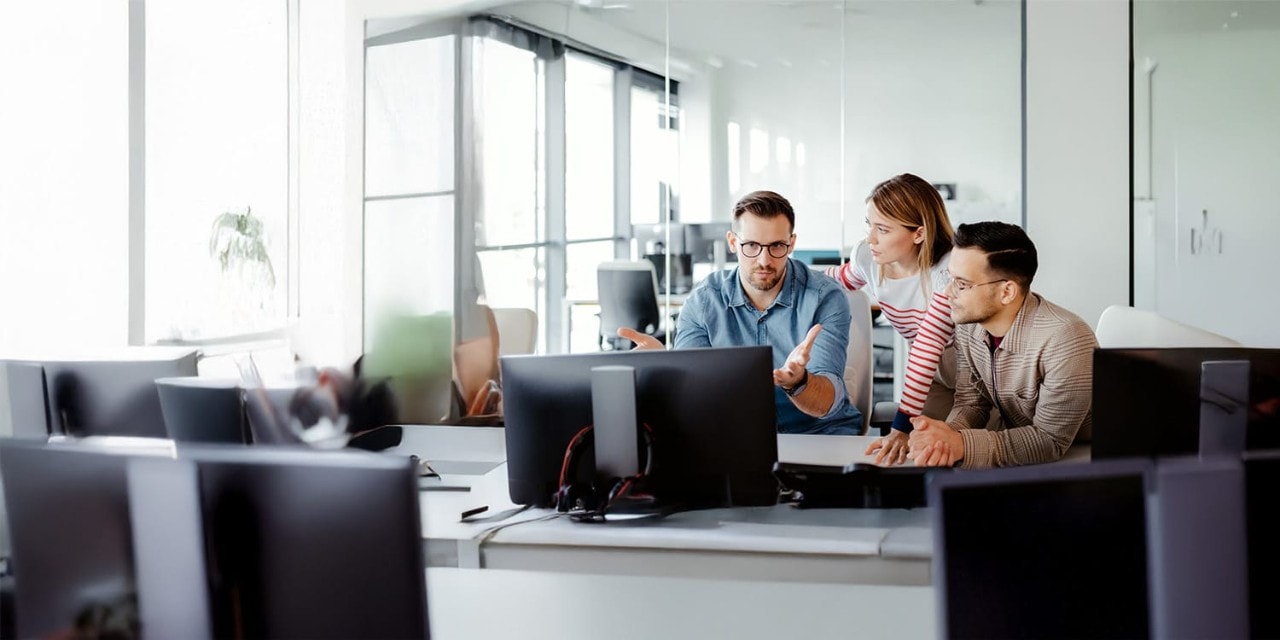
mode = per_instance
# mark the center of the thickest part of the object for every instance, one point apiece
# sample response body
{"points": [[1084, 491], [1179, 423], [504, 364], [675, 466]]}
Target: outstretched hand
{"points": [[642, 340], [792, 371]]}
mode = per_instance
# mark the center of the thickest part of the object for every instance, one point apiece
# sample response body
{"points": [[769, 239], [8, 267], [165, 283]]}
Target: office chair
{"points": [[475, 369], [202, 409], [517, 330], [859, 374], [628, 292], [1125, 327]]}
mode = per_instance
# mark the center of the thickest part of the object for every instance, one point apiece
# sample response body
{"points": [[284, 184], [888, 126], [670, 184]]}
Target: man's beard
{"points": [[764, 281]]}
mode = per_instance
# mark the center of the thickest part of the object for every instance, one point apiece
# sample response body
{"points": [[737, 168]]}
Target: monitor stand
{"points": [[613, 408], [1224, 407]]}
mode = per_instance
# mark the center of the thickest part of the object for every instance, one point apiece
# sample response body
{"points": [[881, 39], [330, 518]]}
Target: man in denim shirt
{"points": [[772, 299]]}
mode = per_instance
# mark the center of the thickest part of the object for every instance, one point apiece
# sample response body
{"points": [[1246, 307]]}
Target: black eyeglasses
{"points": [[961, 286], [753, 249]]}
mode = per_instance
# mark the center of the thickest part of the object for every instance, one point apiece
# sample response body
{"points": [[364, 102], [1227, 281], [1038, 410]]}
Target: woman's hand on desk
{"points": [[642, 340], [891, 449]]}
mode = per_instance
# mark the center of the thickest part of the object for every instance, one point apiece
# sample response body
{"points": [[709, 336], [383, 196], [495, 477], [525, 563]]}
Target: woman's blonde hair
{"points": [[912, 202]]}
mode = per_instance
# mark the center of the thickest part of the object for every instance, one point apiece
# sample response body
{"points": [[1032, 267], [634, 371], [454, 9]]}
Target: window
{"points": [[64, 200], [217, 169], [409, 180]]}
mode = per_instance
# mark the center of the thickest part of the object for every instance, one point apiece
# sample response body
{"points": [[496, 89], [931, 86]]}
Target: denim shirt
{"points": [[718, 314]]}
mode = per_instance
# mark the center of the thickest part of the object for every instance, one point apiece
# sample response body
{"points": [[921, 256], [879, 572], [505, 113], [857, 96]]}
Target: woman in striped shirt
{"points": [[903, 267]]}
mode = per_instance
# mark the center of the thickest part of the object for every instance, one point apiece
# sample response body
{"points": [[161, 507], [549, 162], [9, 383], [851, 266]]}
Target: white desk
{"points": [[782, 543]]}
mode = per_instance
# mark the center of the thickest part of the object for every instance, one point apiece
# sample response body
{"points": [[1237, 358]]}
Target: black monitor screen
{"points": [[1262, 528], [307, 544], [1146, 402], [711, 411], [73, 564], [1042, 552], [111, 398]]}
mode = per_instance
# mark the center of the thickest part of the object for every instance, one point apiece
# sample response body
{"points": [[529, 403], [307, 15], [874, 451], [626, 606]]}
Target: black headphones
{"points": [[584, 501]]}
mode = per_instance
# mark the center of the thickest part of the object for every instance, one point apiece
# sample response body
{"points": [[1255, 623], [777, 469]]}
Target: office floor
{"points": [[467, 603]]}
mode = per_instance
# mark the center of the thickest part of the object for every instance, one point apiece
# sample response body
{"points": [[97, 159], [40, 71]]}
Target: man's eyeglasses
{"points": [[961, 286], [753, 249]]}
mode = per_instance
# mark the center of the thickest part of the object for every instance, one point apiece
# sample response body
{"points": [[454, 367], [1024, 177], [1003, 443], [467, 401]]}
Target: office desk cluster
{"points": [[780, 543]]}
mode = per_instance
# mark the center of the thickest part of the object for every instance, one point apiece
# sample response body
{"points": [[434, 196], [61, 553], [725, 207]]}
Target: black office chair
{"points": [[202, 409], [628, 292]]}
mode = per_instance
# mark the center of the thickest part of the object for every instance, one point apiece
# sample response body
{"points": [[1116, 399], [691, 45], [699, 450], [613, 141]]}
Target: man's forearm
{"points": [[816, 398]]}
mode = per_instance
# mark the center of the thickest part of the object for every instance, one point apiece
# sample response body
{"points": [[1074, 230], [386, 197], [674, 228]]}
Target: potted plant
{"points": [[238, 241]]}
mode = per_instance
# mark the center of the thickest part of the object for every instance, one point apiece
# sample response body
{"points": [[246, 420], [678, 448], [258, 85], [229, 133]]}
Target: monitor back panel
{"points": [[711, 410]]}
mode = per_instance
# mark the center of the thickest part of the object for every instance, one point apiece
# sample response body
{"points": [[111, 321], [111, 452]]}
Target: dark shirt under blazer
{"points": [[1042, 380]]}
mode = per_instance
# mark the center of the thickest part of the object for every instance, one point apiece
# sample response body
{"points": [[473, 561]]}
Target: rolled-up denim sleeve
{"points": [[691, 327], [831, 349]]}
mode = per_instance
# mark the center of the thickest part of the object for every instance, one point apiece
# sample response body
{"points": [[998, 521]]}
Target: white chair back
{"points": [[517, 330], [1120, 326], [858, 374]]}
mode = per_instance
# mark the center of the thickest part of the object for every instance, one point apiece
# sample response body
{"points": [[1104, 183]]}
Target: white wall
{"points": [[1077, 88], [1216, 148], [323, 262]]}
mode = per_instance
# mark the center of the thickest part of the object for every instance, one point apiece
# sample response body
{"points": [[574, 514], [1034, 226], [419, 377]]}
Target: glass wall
{"points": [[1205, 154]]}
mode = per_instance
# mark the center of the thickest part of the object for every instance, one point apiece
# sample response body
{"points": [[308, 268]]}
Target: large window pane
{"points": [[588, 148], [509, 125], [64, 202], [647, 158], [217, 168], [517, 278], [409, 117], [408, 266]]}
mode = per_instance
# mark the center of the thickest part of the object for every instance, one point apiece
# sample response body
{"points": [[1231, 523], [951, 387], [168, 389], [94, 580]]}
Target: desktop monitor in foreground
{"points": [[307, 544], [1146, 402], [1055, 551], [1262, 530], [73, 561], [711, 411]]}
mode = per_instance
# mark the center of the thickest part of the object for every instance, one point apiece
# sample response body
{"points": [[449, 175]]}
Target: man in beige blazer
{"points": [[1024, 366]]}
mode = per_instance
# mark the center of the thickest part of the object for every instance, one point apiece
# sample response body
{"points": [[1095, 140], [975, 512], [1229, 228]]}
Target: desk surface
{"points": [[853, 546]]}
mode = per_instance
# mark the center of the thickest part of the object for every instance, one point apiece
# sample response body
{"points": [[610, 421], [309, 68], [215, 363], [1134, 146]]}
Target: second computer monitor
{"points": [[1054, 551], [711, 411], [1146, 402]]}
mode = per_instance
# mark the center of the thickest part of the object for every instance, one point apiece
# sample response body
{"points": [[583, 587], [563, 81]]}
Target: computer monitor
{"points": [[1146, 402], [111, 397], [711, 411], [28, 404], [706, 242], [1048, 551], [311, 544], [72, 555], [1262, 530]]}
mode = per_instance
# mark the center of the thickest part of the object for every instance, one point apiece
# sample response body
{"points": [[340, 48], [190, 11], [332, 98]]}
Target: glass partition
{"points": [[589, 132], [1205, 94]]}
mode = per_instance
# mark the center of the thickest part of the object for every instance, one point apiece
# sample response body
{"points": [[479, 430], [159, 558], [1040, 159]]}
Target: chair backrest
{"points": [[1125, 327], [628, 292], [517, 330], [267, 410], [475, 366], [202, 409], [858, 374]]}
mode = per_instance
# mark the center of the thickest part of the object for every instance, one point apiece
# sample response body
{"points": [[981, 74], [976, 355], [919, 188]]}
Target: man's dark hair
{"points": [[765, 204], [1010, 252]]}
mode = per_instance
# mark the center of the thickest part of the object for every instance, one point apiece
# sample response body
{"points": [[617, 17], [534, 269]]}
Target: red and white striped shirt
{"points": [[922, 318]]}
